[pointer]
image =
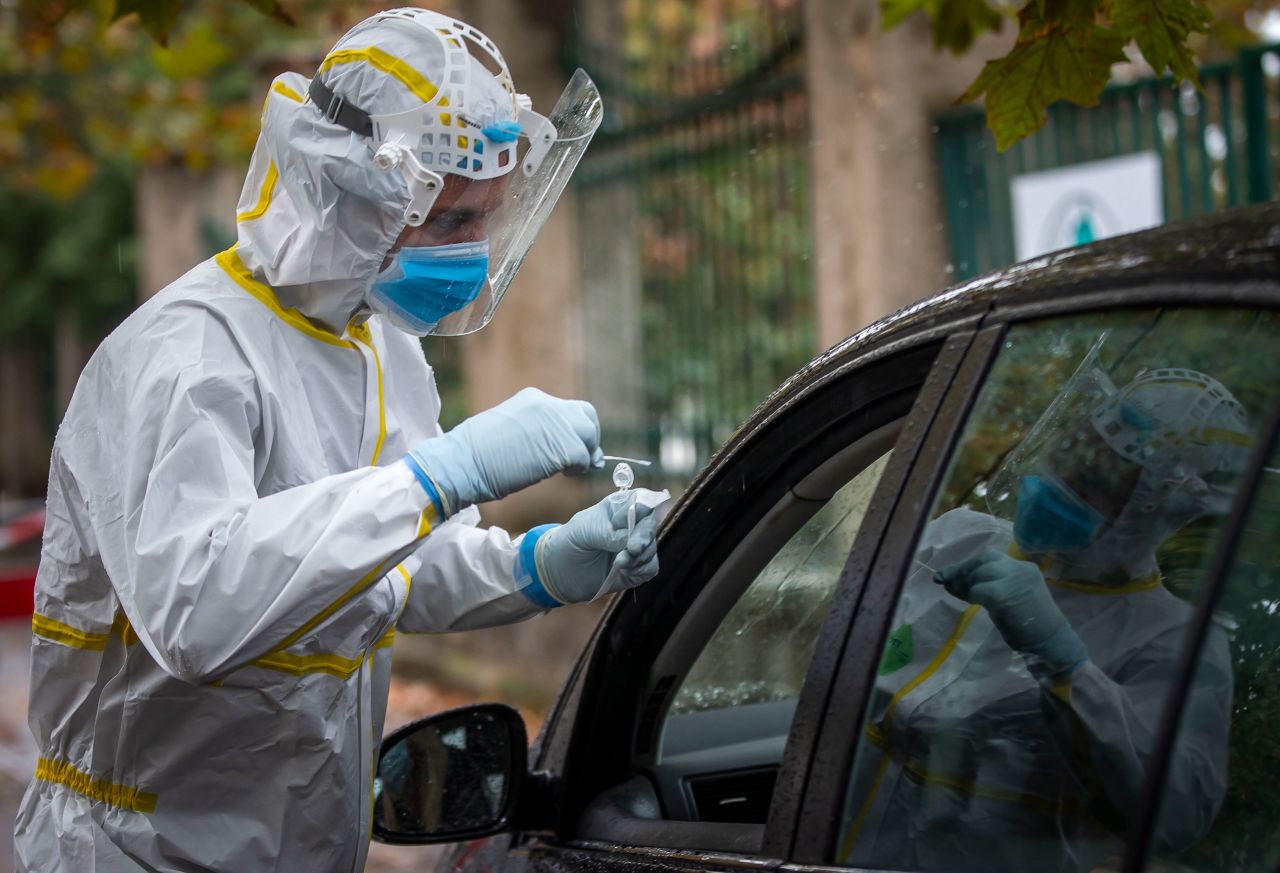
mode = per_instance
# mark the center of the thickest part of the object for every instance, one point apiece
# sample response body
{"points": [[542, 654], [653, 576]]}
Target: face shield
{"points": [[1135, 463], [482, 172], [1063, 483]]}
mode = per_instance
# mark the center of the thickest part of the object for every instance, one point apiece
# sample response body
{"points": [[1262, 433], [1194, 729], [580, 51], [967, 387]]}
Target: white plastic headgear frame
{"points": [[443, 135]]}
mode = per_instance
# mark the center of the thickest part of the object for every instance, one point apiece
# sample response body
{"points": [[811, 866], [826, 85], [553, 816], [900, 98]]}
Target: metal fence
{"points": [[1218, 147], [694, 205]]}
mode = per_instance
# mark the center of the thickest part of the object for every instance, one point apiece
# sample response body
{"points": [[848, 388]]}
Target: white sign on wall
{"points": [[1056, 209]]}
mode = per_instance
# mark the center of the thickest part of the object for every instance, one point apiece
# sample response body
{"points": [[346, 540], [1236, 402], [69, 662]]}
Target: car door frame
{"points": [[827, 770]]}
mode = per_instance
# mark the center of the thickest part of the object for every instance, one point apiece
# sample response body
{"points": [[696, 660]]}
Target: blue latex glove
{"points": [[520, 441], [593, 554], [1014, 594]]}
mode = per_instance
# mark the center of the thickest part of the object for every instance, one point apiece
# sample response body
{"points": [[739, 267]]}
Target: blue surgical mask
{"points": [[424, 284], [1050, 517]]}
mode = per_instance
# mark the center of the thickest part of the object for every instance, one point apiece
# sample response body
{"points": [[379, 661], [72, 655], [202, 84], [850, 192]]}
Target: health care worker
{"points": [[1017, 705], [250, 493]]}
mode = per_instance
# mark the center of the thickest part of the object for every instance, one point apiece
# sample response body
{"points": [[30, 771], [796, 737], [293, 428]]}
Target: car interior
{"points": [[717, 762]]}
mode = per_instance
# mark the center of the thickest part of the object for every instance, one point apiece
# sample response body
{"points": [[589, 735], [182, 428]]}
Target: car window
{"points": [[723, 736], [1238, 668], [1039, 629], [761, 650]]}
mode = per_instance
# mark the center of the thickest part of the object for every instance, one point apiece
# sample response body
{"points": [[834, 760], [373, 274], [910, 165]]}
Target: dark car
{"points": [[797, 691]]}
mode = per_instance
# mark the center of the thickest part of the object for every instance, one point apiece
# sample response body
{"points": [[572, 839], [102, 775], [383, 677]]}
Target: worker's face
{"points": [[459, 214], [1093, 470]]}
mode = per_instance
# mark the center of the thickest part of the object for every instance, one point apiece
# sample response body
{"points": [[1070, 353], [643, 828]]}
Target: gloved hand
{"points": [[576, 559], [520, 441], [1014, 594]]}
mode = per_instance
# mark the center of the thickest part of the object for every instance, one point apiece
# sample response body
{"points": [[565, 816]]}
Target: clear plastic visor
{"points": [[1065, 444], [509, 209]]}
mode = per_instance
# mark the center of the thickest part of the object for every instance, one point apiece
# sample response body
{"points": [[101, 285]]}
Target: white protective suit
{"points": [[970, 762], [232, 538]]}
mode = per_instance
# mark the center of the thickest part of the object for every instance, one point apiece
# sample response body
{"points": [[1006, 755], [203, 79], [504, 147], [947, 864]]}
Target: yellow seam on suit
{"points": [[424, 521], [122, 627], [1229, 437], [1146, 583], [264, 196], [57, 632], [1131, 587], [931, 777], [1061, 688], [387, 63], [121, 796], [284, 90], [329, 610], [300, 665], [881, 739], [361, 333], [235, 268]]}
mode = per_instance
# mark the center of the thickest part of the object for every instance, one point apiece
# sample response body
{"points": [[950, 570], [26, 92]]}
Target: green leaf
{"points": [[1161, 28], [273, 9], [157, 16], [1060, 56], [957, 23], [894, 12]]}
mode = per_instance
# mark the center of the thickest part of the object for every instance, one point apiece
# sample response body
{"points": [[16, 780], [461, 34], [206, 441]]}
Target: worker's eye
{"points": [[453, 221]]}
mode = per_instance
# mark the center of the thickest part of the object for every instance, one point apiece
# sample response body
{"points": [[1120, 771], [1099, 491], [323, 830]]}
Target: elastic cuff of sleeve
{"points": [[427, 485], [527, 568], [1059, 656]]}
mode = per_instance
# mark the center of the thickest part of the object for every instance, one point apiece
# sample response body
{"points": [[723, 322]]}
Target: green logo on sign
{"points": [[897, 654], [1084, 229]]}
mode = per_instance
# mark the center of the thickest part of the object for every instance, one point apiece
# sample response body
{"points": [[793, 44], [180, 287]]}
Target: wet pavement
{"points": [[408, 700]]}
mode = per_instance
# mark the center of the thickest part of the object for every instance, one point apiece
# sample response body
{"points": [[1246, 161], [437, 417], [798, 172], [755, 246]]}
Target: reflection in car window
{"points": [[761, 650], [1039, 628], [1247, 625]]}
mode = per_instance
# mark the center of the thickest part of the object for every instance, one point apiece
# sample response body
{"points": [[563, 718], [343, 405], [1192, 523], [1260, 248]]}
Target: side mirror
{"points": [[453, 776]]}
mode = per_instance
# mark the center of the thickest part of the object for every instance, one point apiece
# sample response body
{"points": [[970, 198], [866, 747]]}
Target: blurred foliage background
{"points": [[704, 158], [87, 100]]}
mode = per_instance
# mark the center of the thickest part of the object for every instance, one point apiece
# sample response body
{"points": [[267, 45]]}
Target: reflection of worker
{"points": [[251, 474], [1018, 702]]}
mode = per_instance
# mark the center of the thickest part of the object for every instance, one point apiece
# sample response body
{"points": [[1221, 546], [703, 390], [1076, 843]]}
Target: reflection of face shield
{"points": [[1190, 437], [1058, 485], [476, 160], [1122, 469]]}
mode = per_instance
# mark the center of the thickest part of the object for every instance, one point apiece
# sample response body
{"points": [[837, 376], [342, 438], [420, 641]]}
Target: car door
{"points": [[1242, 836], [665, 751], [944, 746]]}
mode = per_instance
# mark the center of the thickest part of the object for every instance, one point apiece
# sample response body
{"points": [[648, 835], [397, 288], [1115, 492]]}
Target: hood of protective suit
{"points": [[1191, 439], [316, 218]]}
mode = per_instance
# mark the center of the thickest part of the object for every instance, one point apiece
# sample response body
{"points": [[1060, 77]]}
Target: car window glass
{"points": [[1238, 669], [761, 650], [1039, 628]]}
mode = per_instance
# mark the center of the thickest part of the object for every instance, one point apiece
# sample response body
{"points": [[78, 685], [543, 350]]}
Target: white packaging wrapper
{"points": [[660, 502]]}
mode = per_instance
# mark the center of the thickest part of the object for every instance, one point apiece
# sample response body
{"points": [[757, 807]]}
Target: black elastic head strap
{"points": [[337, 110]]}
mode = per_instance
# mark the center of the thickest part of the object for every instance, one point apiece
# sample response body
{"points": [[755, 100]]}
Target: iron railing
{"points": [[694, 208]]}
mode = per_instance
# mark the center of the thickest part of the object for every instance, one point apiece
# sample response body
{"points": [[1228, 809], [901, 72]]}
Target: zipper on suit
{"points": [[363, 342]]}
